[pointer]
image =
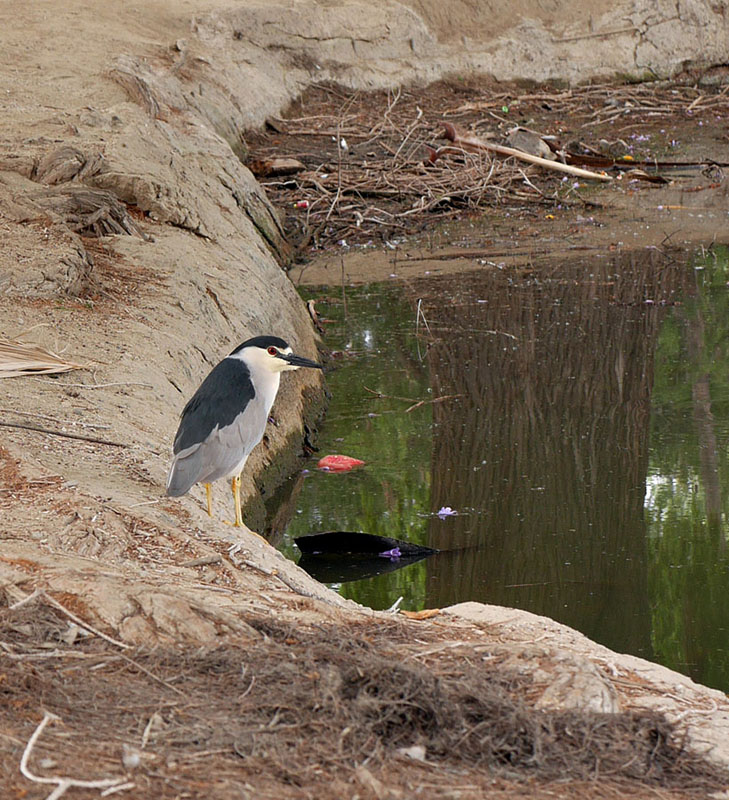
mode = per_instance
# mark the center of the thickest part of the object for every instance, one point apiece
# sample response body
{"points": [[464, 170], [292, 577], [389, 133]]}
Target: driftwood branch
{"points": [[474, 144]]}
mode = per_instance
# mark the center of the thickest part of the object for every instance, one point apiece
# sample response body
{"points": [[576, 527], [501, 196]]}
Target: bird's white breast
{"points": [[265, 385]]}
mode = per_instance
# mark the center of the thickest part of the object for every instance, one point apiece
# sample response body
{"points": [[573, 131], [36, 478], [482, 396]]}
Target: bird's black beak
{"points": [[299, 361]]}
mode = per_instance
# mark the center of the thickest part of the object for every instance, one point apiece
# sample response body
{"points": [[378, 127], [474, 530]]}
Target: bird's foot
{"points": [[238, 546]]}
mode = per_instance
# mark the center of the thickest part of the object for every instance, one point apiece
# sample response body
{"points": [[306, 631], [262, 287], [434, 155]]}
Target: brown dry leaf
{"points": [[17, 358], [426, 613]]}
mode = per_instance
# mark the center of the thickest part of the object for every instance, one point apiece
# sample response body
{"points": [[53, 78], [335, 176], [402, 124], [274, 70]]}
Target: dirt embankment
{"points": [[133, 240]]}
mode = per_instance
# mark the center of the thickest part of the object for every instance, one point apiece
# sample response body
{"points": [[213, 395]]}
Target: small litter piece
{"points": [[416, 752], [17, 359], [426, 613], [338, 463]]}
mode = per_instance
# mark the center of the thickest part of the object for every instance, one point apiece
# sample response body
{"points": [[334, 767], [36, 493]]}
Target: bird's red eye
{"points": [[272, 351]]}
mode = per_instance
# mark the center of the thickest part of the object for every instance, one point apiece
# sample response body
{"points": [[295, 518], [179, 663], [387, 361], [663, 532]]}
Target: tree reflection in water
{"points": [[548, 443]]}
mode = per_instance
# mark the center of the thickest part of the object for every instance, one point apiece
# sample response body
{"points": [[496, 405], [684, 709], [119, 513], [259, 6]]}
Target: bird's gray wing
{"points": [[222, 396], [222, 454], [208, 441]]}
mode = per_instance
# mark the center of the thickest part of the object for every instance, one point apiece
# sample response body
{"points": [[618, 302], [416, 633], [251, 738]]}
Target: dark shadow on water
{"points": [[343, 569], [343, 556]]}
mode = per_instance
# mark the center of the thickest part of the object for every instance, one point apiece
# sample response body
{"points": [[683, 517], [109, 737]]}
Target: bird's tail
{"points": [[181, 478]]}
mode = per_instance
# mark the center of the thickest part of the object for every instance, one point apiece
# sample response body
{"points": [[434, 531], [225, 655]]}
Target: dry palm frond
{"points": [[17, 358]]}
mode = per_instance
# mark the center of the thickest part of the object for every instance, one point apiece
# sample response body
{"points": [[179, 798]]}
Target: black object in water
{"points": [[351, 542], [341, 556]]}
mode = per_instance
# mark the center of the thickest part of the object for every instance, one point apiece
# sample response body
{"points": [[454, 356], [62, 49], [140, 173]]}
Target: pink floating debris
{"points": [[338, 463]]}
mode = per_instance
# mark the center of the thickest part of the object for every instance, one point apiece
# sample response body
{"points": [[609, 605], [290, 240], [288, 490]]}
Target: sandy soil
{"points": [[134, 241]]}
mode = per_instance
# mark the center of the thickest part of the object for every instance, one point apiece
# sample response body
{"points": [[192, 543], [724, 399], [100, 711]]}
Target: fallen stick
{"points": [[62, 783], [40, 594], [474, 144], [79, 436]]}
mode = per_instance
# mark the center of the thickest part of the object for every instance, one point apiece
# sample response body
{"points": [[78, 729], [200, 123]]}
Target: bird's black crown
{"points": [[263, 342]]}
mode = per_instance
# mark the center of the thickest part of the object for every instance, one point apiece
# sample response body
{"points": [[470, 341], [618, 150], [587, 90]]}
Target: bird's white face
{"points": [[269, 359], [275, 362]]}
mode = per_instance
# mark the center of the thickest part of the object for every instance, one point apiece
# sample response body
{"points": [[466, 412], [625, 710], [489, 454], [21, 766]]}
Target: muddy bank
{"points": [[136, 243], [383, 207]]}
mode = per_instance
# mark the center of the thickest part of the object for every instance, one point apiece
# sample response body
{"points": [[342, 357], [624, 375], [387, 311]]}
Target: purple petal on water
{"points": [[394, 553], [446, 511]]}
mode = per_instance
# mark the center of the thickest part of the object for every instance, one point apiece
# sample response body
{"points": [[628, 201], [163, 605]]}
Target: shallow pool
{"points": [[576, 419]]}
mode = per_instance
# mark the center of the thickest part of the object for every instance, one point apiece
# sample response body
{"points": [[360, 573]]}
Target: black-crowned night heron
{"points": [[226, 417]]}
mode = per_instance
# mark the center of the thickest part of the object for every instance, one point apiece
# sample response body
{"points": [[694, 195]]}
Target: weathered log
{"points": [[64, 164], [88, 212]]}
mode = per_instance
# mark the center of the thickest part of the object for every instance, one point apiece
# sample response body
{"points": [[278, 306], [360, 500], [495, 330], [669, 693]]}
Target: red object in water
{"points": [[339, 463]]}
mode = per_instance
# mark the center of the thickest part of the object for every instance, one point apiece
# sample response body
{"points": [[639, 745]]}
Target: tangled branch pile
{"points": [[363, 169]]}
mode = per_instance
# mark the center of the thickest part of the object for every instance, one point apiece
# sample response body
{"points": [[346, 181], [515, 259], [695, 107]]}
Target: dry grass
{"points": [[323, 712], [19, 358]]}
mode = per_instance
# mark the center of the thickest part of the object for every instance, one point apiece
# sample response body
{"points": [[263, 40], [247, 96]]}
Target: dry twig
{"points": [[474, 144], [62, 784], [40, 594], [63, 434]]}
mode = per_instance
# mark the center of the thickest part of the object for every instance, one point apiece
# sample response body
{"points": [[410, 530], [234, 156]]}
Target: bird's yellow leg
{"points": [[235, 486], [209, 496]]}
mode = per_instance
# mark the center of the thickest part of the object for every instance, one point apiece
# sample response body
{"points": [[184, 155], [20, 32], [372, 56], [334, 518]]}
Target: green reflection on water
{"points": [[585, 452], [688, 475]]}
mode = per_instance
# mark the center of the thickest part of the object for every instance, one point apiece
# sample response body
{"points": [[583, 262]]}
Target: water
{"points": [[577, 419]]}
